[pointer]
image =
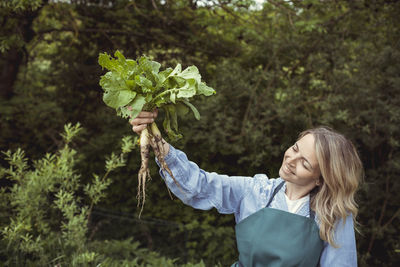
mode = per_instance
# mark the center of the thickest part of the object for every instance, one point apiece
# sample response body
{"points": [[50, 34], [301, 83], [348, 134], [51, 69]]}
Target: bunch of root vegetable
{"points": [[131, 86]]}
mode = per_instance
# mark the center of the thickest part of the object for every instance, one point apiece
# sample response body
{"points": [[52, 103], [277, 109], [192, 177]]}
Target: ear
{"points": [[319, 180]]}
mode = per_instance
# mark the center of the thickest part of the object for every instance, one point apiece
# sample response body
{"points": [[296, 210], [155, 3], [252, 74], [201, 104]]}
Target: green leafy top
{"points": [[141, 85]]}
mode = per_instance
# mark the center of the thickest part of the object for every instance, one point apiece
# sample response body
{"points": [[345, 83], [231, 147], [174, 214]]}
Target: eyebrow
{"points": [[304, 157]]}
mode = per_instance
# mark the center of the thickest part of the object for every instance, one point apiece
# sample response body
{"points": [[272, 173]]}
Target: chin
{"points": [[285, 176]]}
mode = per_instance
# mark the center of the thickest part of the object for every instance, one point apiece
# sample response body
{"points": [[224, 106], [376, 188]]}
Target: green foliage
{"points": [[21, 5], [11, 12], [48, 220], [131, 86], [119, 253]]}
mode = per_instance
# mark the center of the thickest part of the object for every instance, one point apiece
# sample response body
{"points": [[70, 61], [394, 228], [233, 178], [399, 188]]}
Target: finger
{"points": [[145, 114], [139, 121], [139, 129], [155, 113]]}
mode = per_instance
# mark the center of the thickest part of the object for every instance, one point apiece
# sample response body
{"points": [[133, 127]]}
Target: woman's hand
{"points": [[140, 123], [142, 120]]}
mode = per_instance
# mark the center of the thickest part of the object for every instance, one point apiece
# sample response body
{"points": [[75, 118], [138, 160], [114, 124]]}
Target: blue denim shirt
{"points": [[243, 196]]}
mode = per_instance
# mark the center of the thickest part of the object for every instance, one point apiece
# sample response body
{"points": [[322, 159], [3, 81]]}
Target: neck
{"points": [[294, 191]]}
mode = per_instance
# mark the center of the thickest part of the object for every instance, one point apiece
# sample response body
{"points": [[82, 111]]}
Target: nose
{"points": [[291, 160]]}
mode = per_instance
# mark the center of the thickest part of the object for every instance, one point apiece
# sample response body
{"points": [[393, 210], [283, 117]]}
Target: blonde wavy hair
{"points": [[341, 174]]}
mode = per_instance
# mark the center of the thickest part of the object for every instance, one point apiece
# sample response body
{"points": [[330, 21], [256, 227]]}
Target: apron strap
{"points": [[312, 213], [274, 193]]}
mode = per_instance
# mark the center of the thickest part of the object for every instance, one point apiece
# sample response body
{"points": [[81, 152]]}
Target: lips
{"points": [[287, 169]]}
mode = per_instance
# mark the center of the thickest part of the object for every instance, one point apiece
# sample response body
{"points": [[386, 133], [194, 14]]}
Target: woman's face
{"points": [[300, 165]]}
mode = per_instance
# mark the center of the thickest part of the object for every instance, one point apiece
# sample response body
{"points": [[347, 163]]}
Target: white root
{"points": [[144, 172]]}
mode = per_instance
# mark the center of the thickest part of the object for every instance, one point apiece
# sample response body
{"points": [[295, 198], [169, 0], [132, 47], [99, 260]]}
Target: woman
{"points": [[304, 218]]}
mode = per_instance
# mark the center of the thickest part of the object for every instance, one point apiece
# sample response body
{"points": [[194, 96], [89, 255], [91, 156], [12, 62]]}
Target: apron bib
{"points": [[271, 237]]}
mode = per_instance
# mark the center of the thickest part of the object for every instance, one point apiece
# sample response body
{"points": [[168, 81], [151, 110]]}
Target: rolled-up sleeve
{"points": [[201, 189], [346, 254]]}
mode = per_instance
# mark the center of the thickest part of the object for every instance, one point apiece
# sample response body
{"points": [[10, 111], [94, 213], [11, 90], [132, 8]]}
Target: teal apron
{"points": [[271, 237]]}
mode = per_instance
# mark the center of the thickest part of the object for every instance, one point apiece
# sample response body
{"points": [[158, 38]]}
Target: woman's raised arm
{"points": [[196, 187]]}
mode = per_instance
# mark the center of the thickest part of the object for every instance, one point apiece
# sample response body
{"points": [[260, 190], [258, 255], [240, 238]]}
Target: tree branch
{"points": [[93, 30], [373, 237], [397, 213]]}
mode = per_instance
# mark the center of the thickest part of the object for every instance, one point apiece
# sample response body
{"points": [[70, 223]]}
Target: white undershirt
{"points": [[295, 205]]}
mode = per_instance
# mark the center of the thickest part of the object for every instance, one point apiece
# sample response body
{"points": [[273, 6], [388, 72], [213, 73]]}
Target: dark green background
{"points": [[278, 69]]}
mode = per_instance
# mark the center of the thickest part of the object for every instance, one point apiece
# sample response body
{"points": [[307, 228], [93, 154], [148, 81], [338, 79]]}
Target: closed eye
{"points": [[295, 148], [305, 165]]}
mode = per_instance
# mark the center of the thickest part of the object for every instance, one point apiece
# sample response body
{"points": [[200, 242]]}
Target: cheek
{"points": [[305, 174], [313, 176]]}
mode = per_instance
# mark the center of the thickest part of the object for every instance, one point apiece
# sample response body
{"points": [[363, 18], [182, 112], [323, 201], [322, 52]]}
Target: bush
{"points": [[46, 212]]}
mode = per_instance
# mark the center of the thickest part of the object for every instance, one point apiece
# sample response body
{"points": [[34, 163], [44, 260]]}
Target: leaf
{"points": [[124, 112], [162, 75], [191, 72], [193, 108], [120, 98], [170, 122], [146, 84], [181, 109], [148, 98], [173, 82], [117, 65], [111, 82], [119, 55], [173, 117], [177, 69], [149, 69], [173, 97], [179, 81], [105, 61], [137, 105], [188, 90], [160, 101], [149, 65], [130, 84], [203, 89], [154, 66]]}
